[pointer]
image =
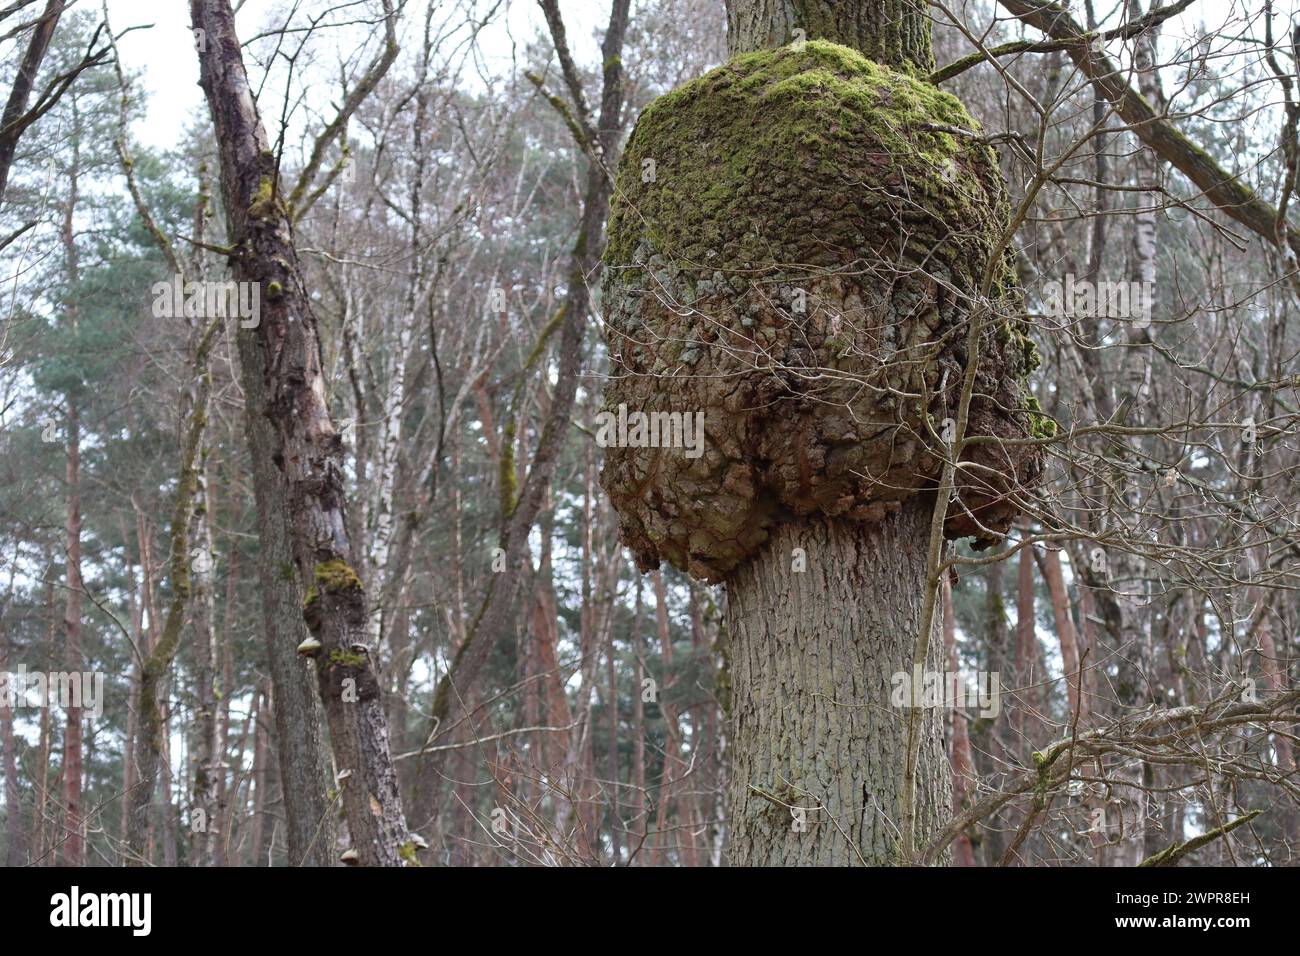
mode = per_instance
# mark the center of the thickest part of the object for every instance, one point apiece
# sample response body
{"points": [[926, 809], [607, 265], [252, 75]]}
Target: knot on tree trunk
{"points": [[797, 246]]}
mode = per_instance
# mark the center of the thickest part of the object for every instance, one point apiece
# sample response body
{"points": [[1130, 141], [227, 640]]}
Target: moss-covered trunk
{"points": [[894, 33], [818, 742]]}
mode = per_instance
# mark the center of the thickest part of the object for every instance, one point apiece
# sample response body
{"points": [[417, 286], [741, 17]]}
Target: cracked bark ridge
{"points": [[797, 245]]}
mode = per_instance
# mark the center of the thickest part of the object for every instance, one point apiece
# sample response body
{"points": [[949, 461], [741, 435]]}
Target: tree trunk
{"points": [[204, 831], [42, 772], [611, 746], [819, 746], [153, 736], [501, 603], [1027, 715], [963, 777], [261, 704], [1051, 567], [15, 852], [308, 449], [304, 759], [11, 125], [893, 32], [74, 838], [638, 727]]}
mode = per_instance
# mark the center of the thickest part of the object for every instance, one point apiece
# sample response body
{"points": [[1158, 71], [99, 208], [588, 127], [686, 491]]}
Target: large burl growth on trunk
{"points": [[796, 249]]}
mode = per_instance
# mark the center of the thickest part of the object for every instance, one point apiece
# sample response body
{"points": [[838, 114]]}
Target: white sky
{"points": [[166, 56]]}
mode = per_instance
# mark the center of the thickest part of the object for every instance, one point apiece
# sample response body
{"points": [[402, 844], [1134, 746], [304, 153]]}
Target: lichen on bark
{"points": [[796, 247]]}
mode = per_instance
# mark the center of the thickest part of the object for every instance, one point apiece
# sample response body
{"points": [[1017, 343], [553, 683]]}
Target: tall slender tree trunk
{"points": [[668, 773], [40, 832], [638, 721], [74, 847], [205, 831], [611, 746], [153, 737], [1129, 592], [992, 841], [164, 805], [15, 852], [1026, 716], [962, 764], [1065, 633], [135, 606], [501, 603], [259, 721], [223, 710], [286, 355]]}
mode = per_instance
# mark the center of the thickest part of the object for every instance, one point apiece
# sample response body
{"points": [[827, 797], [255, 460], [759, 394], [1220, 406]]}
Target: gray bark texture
{"points": [[303, 758], [813, 727], [893, 32]]}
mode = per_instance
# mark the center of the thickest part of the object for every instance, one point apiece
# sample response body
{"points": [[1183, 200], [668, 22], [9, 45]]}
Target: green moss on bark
{"points": [[797, 244], [336, 576], [347, 658], [812, 122]]}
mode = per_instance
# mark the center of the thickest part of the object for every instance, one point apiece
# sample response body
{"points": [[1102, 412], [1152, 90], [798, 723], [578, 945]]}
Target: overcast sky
{"points": [[166, 56], [165, 53]]}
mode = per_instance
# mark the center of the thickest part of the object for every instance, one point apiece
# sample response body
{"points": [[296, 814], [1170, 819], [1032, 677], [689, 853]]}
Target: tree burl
{"points": [[797, 245]]}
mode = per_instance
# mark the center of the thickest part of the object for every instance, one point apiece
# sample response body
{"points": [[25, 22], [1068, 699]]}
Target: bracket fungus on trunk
{"points": [[797, 244]]}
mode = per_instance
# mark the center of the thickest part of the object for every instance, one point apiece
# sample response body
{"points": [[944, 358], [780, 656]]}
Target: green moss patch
{"points": [[335, 576]]}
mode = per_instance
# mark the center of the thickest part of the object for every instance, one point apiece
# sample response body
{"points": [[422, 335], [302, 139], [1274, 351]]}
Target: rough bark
{"points": [[304, 758], [812, 657], [16, 118], [893, 32], [816, 336], [308, 448]]}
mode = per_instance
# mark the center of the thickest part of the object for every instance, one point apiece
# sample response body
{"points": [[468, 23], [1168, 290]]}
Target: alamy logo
{"points": [[75, 909], [626, 429], [23, 688], [933, 689], [1110, 300], [208, 300]]}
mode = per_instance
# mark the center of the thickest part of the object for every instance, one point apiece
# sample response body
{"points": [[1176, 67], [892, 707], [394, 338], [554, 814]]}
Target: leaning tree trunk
{"points": [[818, 744], [308, 450]]}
